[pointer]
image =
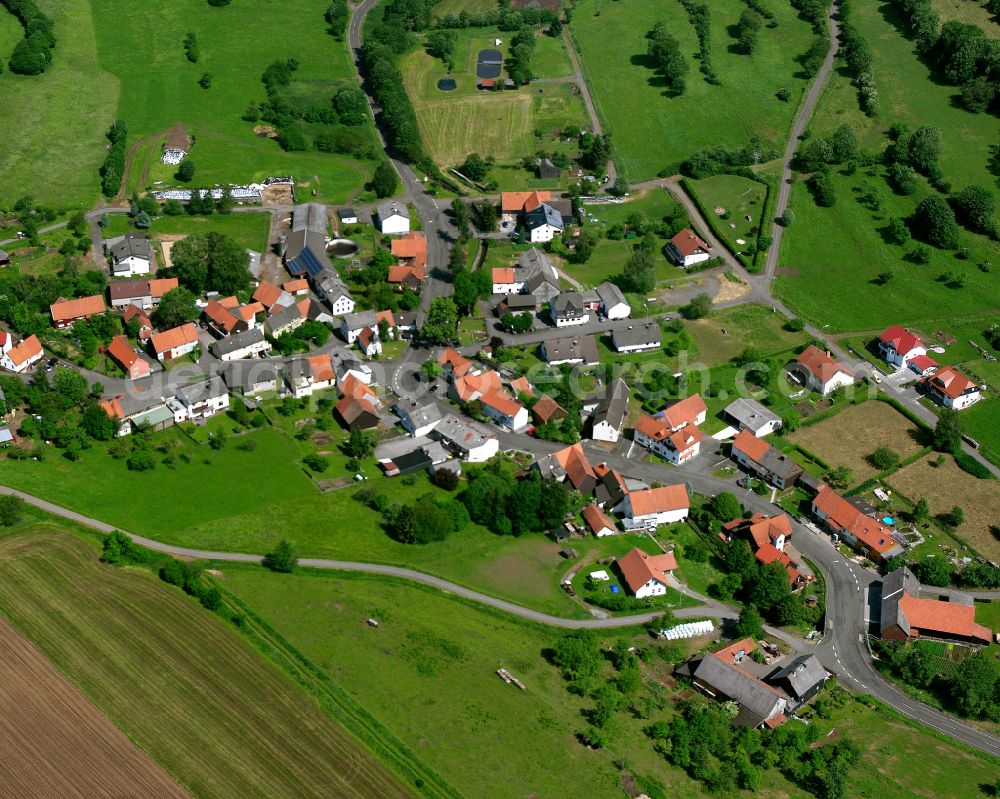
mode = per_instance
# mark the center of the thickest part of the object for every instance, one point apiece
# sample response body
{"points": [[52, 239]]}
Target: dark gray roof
{"points": [[283, 318], [546, 169], [305, 252], [249, 374], [132, 245], [801, 675], [760, 701], [329, 285], [356, 321], [419, 413], [581, 348], [201, 391], [392, 208], [894, 585], [614, 406], [309, 216], [544, 214], [780, 464], [233, 343], [520, 301], [638, 334], [750, 414], [610, 294], [568, 305], [129, 289], [347, 213]]}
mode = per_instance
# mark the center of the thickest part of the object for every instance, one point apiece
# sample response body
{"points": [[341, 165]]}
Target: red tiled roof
{"points": [[500, 401], [901, 339], [950, 382], [688, 243], [351, 386], [821, 364], [161, 285], [231, 302], [513, 202], [295, 286], [113, 408], [134, 310], [575, 463], [685, 438], [122, 352], [521, 385], [458, 363], [934, 616], [385, 316], [651, 427], [267, 294], [658, 500], [765, 529], [768, 554], [401, 272], [29, 348], [221, 316], [923, 363], [686, 411], [174, 338], [546, 409], [65, 310], [322, 368], [248, 313], [843, 515], [412, 246], [466, 387], [503, 274], [751, 446], [638, 568], [597, 519]]}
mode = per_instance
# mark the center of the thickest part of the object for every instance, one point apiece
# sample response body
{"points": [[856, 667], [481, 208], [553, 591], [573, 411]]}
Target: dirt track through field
{"points": [[54, 744]]}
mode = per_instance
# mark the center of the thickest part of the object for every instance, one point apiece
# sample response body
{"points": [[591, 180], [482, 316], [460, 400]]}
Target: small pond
{"points": [[447, 84]]}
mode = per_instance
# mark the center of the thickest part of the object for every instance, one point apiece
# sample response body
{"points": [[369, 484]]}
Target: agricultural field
{"points": [[630, 96], [851, 436], [250, 230], [52, 140], [831, 256], [72, 749], [159, 88], [227, 723], [441, 646], [507, 125], [731, 199], [946, 486]]}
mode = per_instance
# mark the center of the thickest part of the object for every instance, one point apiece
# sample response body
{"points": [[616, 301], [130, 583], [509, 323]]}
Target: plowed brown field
{"points": [[56, 745]]}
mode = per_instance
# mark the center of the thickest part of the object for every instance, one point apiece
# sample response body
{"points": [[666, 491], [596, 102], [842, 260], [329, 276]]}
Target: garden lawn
{"points": [[159, 86], [738, 198], [849, 437], [52, 140], [754, 325], [830, 256], [250, 230], [653, 132], [946, 486], [550, 59]]}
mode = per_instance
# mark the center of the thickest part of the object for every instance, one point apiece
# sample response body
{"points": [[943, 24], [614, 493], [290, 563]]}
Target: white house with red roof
{"points": [[822, 372], [676, 446], [687, 248], [923, 365], [504, 410], [23, 356], [646, 575], [952, 389], [898, 346], [654, 506]]}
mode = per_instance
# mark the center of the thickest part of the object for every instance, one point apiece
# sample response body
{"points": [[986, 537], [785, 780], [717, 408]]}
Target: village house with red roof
{"points": [[687, 248], [646, 575], [822, 372], [950, 388]]}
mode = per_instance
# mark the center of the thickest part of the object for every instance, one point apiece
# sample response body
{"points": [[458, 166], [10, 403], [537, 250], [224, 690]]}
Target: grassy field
{"points": [[52, 140], [458, 6], [848, 438], [630, 97], [440, 646], [221, 719], [499, 124], [159, 87], [970, 12], [722, 335], [831, 255], [249, 230], [946, 486], [737, 198]]}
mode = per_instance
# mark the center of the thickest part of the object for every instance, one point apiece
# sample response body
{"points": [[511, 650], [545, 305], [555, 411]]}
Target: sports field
{"points": [[52, 138], [176, 680], [57, 744], [503, 124], [653, 132]]}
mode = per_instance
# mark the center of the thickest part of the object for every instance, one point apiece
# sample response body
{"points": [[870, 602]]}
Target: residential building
{"points": [[655, 506], [688, 411], [353, 368], [307, 375], [950, 388], [611, 486], [406, 463], [822, 373], [222, 321], [248, 344], [864, 533], [284, 320], [567, 309], [271, 296], [646, 575], [688, 249], [297, 287], [598, 521], [719, 675], [135, 366], [609, 416], [535, 275], [504, 409], [907, 616], [347, 216], [521, 385], [898, 346], [305, 245], [572, 349], [513, 204], [748, 414], [470, 441], [676, 446], [504, 280], [333, 292], [454, 364], [23, 356], [131, 255], [65, 312], [143, 293], [393, 217], [411, 252], [145, 324], [569, 465], [352, 324], [359, 407], [543, 223], [418, 418], [613, 302], [800, 680], [131, 411], [204, 399], [923, 365], [369, 342], [768, 536], [764, 461], [640, 337], [474, 385], [174, 343], [251, 378], [547, 410]]}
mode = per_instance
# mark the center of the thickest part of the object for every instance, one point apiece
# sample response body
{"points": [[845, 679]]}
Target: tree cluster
{"points": [[210, 262], [33, 53], [717, 159], [504, 18], [191, 49], [337, 16], [701, 19], [441, 44], [441, 324], [748, 31], [431, 517], [510, 506], [522, 48], [113, 169], [664, 52], [814, 12], [860, 63], [378, 65]]}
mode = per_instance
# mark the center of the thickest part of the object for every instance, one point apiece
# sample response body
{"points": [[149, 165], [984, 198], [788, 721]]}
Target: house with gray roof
{"points": [[248, 344], [352, 324], [613, 302], [609, 416], [418, 417], [748, 414], [570, 349], [333, 292], [250, 378], [801, 680], [638, 337], [568, 308], [131, 255], [721, 676], [393, 216], [204, 399], [543, 223]]}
